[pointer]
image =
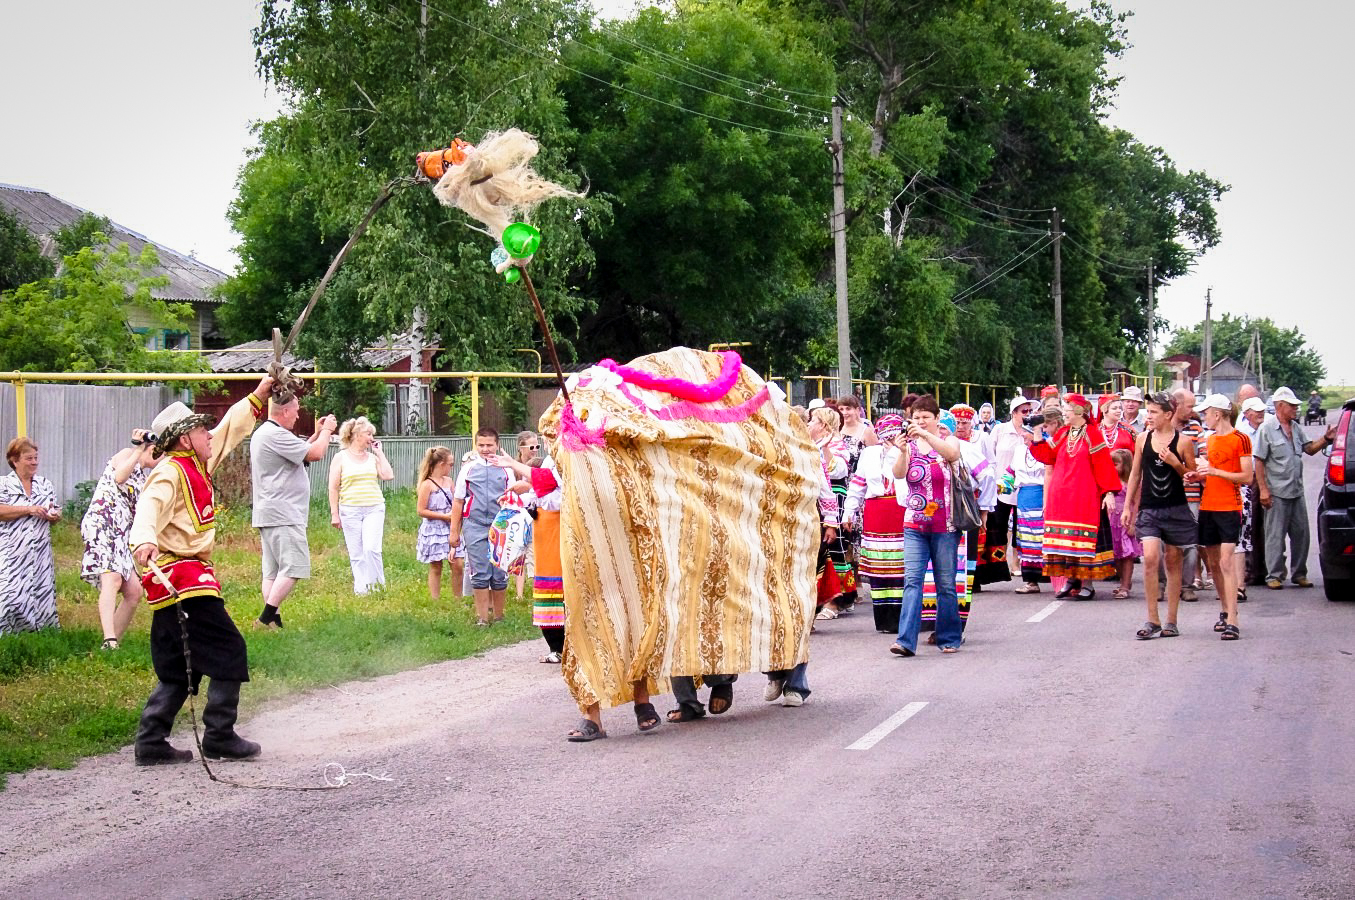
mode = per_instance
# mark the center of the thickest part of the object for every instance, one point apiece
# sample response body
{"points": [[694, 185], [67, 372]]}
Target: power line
{"points": [[732, 80], [1008, 266], [1129, 267], [556, 61]]}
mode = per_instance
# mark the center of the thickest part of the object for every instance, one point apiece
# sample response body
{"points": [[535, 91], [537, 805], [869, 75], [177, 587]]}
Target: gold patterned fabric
{"points": [[689, 529]]}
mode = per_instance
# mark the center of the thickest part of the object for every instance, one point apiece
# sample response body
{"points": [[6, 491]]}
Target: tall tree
{"points": [[720, 182], [369, 84]]}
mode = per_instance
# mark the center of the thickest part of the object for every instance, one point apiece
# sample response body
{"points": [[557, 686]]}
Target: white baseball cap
{"points": [[1253, 404], [1018, 401], [1284, 395], [1133, 392], [1214, 401]]}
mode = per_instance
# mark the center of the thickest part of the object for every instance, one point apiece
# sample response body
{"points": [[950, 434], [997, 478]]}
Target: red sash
{"points": [[197, 490], [191, 577]]}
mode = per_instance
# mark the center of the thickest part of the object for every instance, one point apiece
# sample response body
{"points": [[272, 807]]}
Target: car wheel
{"points": [[1338, 589]]}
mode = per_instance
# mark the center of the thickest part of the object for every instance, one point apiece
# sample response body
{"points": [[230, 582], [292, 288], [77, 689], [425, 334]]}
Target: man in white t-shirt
{"points": [[282, 500]]}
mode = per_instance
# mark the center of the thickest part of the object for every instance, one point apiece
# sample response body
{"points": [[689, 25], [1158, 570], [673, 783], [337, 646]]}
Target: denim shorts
{"points": [[1174, 525]]}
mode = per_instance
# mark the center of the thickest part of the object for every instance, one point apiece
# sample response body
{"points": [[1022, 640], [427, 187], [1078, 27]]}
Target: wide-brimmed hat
{"points": [[1018, 401], [176, 420], [1133, 392], [1284, 395]]}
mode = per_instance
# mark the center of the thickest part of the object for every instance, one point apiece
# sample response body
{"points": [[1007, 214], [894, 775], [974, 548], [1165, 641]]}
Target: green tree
{"points": [[369, 85], [21, 259], [1286, 357], [720, 185], [77, 321]]}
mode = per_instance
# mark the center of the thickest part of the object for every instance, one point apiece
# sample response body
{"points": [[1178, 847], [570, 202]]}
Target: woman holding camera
{"points": [[922, 475], [107, 563], [356, 505], [1082, 481]]}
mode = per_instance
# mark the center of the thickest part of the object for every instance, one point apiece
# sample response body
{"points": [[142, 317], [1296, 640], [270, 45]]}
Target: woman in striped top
{"points": [[356, 506]]}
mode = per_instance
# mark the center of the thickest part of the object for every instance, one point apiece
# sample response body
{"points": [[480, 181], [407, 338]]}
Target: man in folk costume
{"points": [[175, 526]]}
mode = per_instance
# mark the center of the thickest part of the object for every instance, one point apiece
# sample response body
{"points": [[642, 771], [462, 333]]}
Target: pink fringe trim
{"points": [[576, 436], [684, 409], [681, 387]]}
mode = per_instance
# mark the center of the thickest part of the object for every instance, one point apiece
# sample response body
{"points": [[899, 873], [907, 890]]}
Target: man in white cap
{"points": [[175, 526], [1253, 546], [1280, 445], [1131, 404]]}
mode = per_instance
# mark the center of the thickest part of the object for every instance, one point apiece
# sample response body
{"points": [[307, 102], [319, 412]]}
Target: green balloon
{"points": [[521, 240], [513, 275]]}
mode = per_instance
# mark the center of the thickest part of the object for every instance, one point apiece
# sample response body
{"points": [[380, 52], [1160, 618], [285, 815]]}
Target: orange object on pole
{"points": [[435, 163]]}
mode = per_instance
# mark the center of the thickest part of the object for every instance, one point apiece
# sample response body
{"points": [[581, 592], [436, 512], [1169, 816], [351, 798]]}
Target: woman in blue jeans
{"points": [[922, 485]]}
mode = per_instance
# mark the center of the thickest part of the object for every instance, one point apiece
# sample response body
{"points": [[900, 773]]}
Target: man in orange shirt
{"points": [[1225, 466]]}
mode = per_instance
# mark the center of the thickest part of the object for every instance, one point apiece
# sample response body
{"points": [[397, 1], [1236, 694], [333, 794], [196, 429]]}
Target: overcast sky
{"points": [[140, 110]]}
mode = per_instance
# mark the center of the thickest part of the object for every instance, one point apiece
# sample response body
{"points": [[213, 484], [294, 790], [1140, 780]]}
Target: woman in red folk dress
{"points": [[1077, 538]]}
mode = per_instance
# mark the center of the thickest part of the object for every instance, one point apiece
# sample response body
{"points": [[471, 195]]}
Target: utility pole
{"points": [[1152, 333], [1207, 362], [1057, 289], [844, 337]]}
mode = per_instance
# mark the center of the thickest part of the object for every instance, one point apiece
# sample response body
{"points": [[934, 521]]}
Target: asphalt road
{"points": [[1060, 757]]}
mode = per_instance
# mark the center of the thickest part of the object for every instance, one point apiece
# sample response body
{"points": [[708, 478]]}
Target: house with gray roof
{"points": [[191, 281]]}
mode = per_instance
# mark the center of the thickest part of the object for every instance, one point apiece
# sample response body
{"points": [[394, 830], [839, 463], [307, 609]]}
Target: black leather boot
{"points": [[218, 721], [157, 719]]}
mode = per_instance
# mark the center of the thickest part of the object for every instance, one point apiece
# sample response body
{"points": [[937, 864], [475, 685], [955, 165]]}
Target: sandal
{"points": [[586, 730], [724, 694], [109, 644], [1222, 623], [1119, 594], [950, 649], [827, 614], [1068, 591], [647, 717], [1149, 631], [931, 638], [1230, 633], [1241, 595], [551, 657], [1086, 593], [900, 650], [1027, 589], [1170, 630], [685, 713]]}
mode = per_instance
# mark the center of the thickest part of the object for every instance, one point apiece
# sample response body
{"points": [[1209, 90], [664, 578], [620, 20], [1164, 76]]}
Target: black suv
{"points": [[1336, 512]]}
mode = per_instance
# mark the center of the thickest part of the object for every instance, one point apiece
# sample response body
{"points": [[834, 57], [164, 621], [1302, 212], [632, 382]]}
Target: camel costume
{"points": [[689, 525]]}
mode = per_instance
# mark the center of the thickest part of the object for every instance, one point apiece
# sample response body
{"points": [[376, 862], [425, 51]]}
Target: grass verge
{"points": [[61, 698]]}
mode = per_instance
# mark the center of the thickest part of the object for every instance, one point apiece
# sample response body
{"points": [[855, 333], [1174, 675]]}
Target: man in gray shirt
{"points": [[1278, 452], [282, 499]]}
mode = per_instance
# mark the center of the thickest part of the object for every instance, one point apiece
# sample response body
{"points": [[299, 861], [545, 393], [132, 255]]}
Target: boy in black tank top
{"points": [[1156, 508]]}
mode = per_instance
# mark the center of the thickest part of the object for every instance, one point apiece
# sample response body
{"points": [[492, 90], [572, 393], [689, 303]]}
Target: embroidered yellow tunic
{"points": [[163, 516]]}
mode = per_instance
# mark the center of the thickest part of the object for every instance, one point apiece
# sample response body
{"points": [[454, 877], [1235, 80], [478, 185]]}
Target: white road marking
{"points": [[878, 733], [1046, 612]]}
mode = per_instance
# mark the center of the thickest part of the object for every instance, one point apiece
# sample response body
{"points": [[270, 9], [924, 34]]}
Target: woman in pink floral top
{"points": [[922, 479]]}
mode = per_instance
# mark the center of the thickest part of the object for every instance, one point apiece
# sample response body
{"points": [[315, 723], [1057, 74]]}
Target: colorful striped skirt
{"points": [[961, 575], [882, 559], [1075, 550], [548, 590], [1030, 531]]}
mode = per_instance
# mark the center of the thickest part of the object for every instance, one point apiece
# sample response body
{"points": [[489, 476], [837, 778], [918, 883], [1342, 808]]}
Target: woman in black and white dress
{"points": [[28, 508]]}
